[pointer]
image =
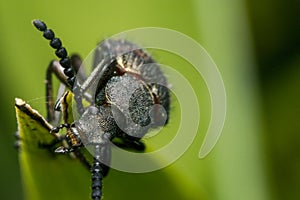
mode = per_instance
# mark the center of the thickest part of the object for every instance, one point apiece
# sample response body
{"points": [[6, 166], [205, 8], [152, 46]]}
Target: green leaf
{"points": [[47, 175]]}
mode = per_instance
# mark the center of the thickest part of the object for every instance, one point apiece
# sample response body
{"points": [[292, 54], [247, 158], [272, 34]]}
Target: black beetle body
{"points": [[130, 97]]}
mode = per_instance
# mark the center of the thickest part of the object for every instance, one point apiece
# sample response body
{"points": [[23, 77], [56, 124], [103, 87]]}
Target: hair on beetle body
{"points": [[128, 84]]}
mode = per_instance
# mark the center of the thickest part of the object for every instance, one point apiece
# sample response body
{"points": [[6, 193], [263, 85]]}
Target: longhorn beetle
{"points": [[128, 84]]}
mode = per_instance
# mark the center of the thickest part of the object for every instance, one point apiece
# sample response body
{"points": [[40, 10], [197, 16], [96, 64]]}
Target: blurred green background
{"points": [[256, 47]]}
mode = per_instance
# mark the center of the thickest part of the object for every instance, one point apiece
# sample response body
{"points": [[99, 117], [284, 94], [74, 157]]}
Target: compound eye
{"points": [[140, 104]]}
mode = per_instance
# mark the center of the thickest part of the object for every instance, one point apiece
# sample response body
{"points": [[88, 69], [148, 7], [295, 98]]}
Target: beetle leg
{"points": [[63, 149], [76, 63], [54, 67], [56, 129], [130, 142]]}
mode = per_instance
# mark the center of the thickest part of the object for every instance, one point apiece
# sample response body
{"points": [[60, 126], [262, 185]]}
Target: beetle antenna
{"points": [[60, 52], [97, 175]]}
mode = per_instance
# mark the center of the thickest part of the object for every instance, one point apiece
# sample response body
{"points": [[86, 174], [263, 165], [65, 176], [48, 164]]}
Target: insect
{"points": [[127, 86]]}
